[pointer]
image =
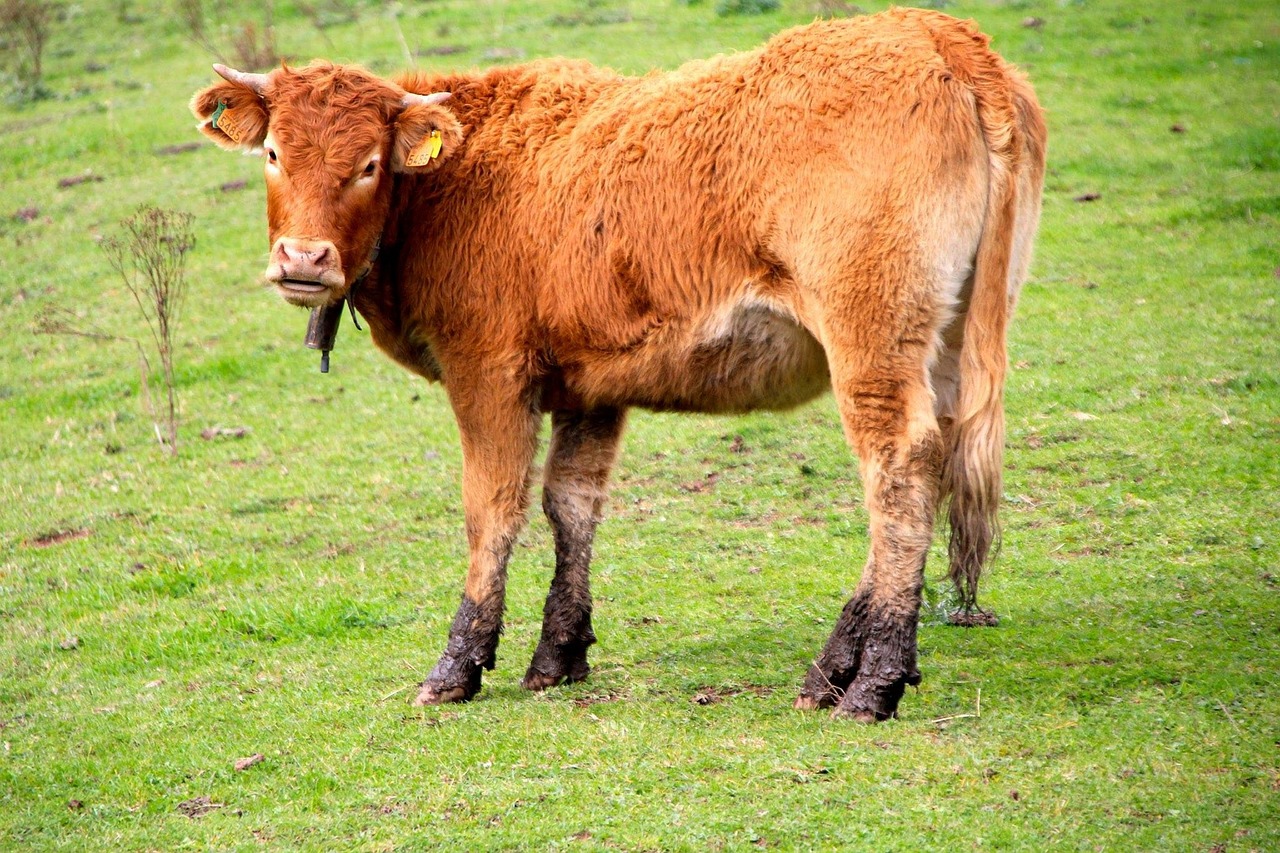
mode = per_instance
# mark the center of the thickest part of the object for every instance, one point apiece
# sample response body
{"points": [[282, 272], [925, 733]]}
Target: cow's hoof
{"points": [[859, 716], [973, 618], [433, 695], [823, 687], [537, 681], [870, 699], [805, 702], [869, 708], [554, 665]]}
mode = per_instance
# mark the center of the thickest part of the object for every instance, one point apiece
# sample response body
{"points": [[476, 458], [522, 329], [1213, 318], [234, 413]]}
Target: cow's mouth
{"points": [[302, 285], [304, 292]]}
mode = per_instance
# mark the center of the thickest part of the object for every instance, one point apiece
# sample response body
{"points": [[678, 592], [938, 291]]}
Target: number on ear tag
{"points": [[224, 120], [426, 150]]}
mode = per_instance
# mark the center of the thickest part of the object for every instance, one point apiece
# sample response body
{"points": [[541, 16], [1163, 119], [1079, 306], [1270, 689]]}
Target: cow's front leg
{"points": [[584, 446], [499, 435]]}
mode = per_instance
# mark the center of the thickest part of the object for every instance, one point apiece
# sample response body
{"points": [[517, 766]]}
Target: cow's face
{"points": [[331, 138]]}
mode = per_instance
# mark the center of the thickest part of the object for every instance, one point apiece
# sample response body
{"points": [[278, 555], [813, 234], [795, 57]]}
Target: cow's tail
{"points": [[971, 477]]}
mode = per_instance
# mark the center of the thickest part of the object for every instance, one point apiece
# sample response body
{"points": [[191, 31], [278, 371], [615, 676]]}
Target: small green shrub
{"points": [[25, 24], [724, 8]]}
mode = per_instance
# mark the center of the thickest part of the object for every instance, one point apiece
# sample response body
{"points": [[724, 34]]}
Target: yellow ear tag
{"points": [[224, 120], [427, 150]]}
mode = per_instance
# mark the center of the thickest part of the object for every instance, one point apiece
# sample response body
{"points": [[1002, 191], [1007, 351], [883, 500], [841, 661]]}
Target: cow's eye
{"points": [[370, 169], [271, 154]]}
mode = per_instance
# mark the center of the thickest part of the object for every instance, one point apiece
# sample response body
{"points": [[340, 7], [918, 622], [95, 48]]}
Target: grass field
{"points": [[281, 593]]}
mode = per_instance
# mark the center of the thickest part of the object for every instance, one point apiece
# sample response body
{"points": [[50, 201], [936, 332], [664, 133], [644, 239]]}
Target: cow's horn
{"points": [[256, 82], [410, 99]]}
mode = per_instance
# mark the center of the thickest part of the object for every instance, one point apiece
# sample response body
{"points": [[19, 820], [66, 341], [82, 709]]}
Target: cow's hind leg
{"points": [[888, 416], [498, 426], [584, 446]]}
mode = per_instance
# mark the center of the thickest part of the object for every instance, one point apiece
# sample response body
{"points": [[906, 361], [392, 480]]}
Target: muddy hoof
{"points": [[553, 665], [859, 715], [974, 618], [805, 702], [433, 695], [868, 708], [871, 700], [538, 681], [823, 687]]}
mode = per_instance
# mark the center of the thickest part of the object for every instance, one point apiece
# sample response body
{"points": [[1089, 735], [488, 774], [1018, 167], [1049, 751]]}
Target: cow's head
{"points": [[331, 137]]}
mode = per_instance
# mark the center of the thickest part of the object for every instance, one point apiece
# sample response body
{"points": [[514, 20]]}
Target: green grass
{"points": [[279, 593]]}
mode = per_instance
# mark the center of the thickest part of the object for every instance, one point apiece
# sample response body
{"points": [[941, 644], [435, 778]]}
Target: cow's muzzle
{"points": [[306, 272]]}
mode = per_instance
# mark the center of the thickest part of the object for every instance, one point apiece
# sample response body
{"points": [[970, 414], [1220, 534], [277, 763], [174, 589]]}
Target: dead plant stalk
{"points": [[150, 257]]}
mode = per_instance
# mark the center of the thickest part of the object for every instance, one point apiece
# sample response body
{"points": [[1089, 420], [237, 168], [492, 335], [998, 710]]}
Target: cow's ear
{"points": [[232, 115], [426, 136]]}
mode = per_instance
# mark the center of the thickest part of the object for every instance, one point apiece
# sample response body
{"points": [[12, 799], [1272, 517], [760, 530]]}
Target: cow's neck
{"points": [[378, 301]]}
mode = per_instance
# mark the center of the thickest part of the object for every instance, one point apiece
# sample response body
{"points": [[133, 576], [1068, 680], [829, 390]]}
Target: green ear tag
{"points": [[217, 114]]}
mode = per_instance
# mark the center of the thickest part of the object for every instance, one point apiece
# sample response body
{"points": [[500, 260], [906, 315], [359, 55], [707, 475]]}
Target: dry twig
{"points": [[149, 258], [977, 715]]}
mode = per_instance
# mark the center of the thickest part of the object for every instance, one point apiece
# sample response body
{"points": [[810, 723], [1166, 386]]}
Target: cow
{"points": [[849, 207]]}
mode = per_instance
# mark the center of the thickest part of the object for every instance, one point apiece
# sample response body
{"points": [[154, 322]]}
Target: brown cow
{"points": [[850, 206]]}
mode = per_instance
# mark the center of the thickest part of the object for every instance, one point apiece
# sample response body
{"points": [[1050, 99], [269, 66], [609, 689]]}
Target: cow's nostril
{"points": [[291, 253], [303, 258]]}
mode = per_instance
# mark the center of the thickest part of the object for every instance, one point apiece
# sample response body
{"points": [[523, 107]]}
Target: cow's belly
{"points": [[749, 357]]}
